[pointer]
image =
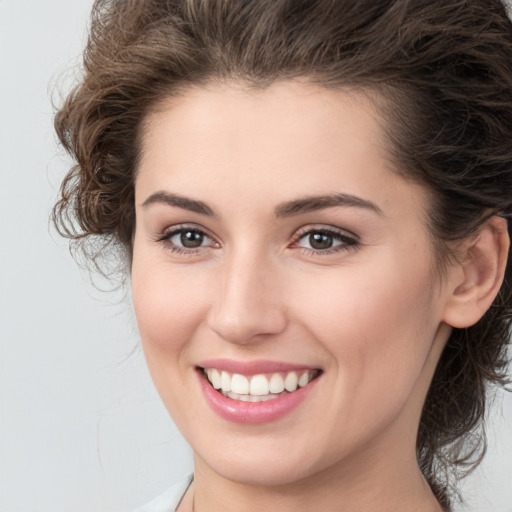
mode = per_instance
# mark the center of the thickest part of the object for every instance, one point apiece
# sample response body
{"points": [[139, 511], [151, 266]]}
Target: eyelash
{"points": [[165, 239], [346, 241]]}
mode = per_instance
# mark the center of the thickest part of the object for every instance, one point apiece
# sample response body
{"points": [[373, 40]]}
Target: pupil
{"points": [[320, 241], [191, 239]]}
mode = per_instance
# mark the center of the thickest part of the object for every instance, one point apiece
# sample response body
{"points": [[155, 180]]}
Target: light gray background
{"points": [[81, 427]]}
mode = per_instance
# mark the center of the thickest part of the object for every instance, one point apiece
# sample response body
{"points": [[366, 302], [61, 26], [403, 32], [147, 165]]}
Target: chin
{"points": [[261, 473], [275, 463]]}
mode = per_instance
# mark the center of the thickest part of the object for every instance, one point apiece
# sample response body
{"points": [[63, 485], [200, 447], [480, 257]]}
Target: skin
{"points": [[370, 314]]}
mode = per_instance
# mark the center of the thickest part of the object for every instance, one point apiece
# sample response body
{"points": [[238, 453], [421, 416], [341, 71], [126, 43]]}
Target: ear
{"points": [[476, 280]]}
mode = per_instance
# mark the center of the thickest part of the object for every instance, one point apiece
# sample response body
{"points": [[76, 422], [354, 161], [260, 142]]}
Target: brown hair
{"points": [[444, 67]]}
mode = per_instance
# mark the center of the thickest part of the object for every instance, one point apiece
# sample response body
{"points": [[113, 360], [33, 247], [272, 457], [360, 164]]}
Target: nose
{"points": [[248, 301]]}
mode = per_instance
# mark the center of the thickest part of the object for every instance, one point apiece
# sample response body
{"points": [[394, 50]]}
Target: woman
{"points": [[312, 199]]}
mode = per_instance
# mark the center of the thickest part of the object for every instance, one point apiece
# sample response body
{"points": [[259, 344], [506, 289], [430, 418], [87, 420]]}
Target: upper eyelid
{"points": [[172, 230], [299, 233]]}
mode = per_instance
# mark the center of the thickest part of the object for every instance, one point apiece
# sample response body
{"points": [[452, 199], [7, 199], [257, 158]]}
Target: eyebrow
{"points": [[287, 209], [180, 201], [313, 203]]}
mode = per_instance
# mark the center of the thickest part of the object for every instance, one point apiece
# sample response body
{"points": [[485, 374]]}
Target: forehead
{"points": [[290, 138], [291, 108]]}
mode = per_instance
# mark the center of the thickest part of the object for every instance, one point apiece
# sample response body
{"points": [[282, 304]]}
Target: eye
{"points": [[325, 241], [186, 239], [319, 241]]}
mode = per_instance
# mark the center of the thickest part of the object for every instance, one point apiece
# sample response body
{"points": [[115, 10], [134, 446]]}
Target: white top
{"points": [[170, 499]]}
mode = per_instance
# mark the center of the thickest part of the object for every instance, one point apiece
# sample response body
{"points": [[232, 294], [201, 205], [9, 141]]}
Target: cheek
{"points": [[169, 309], [378, 326], [169, 306]]}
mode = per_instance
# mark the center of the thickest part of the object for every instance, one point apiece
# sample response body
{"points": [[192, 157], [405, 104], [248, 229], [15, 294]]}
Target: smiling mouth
{"points": [[260, 387]]}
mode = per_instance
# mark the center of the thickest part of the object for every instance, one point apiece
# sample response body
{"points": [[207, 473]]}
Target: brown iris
{"points": [[191, 239], [320, 241]]}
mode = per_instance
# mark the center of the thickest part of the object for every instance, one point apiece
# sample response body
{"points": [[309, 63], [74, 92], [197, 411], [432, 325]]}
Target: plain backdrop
{"points": [[81, 426]]}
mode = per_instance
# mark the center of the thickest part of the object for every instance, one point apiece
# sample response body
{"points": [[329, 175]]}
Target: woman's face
{"points": [[275, 247]]}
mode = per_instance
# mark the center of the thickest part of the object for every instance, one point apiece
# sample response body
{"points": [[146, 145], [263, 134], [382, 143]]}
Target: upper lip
{"points": [[255, 367]]}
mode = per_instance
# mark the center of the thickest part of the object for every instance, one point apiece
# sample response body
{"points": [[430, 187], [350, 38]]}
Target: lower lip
{"points": [[253, 412]]}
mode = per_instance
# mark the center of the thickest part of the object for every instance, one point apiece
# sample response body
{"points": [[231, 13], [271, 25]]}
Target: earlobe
{"points": [[477, 281]]}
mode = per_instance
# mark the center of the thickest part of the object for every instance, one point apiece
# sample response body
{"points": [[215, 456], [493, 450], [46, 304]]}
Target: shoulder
{"points": [[170, 499]]}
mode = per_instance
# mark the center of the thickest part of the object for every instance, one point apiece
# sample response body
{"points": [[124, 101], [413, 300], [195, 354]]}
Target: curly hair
{"points": [[442, 66]]}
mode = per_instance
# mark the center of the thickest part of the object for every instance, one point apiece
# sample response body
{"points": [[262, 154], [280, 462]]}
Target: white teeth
{"points": [[291, 381], [276, 384], [251, 398], [303, 381], [215, 379], [259, 385], [225, 382], [239, 384]]}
